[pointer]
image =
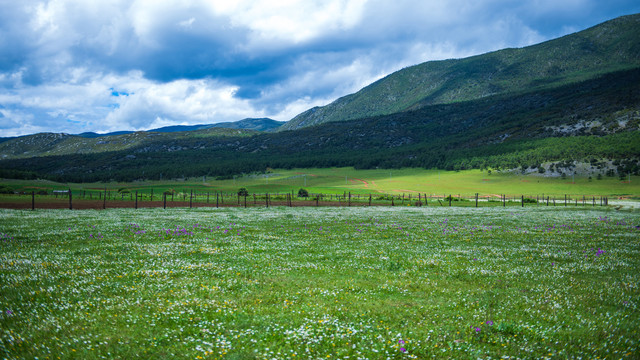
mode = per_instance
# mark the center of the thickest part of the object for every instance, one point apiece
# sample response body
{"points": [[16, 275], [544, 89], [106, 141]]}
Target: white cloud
{"points": [[180, 101], [205, 61], [147, 103], [291, 21]]}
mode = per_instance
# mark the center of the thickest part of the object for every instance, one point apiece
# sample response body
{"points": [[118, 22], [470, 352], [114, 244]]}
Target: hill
{"points": [[583, 115], [260, 124], [594, 122], [611, 46], [49, 144], [46, 144]]}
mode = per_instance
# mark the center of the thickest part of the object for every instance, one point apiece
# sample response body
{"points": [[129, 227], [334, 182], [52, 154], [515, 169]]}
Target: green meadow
{"points": [[320, 283], [341, 180]]}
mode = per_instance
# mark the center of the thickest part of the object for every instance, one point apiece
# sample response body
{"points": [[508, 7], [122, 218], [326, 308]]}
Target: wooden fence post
{"points": [[504, 200], [104, 199], [217, 197], [164, 201], [450, 199], [33, 200], [476, 199], [136, 205], [266, 199], [369, 199], [191, 199], [349, 198], [245, 200], [70, 201], [522, 200]]}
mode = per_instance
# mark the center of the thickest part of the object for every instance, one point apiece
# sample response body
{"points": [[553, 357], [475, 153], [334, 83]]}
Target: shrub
{"points": [[243, 192], [303, 193]]}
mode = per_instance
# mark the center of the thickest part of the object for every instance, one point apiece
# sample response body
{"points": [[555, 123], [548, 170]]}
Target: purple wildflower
{"points": [[489, 322], [403, 349]]}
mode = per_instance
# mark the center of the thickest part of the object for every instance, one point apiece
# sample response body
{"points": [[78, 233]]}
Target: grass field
{"points": [[340, 180], [312, 283]]}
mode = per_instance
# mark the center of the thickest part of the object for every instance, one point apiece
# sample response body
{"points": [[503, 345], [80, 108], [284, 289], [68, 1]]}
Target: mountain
{"points": [[96, 135], [45, 144], [611, 46], [585, 115], [260, 124], [595, 123], [49, 144]]}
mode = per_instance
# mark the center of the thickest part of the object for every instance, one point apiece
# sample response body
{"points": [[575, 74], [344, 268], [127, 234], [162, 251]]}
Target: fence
{"points": [[108, 199]]}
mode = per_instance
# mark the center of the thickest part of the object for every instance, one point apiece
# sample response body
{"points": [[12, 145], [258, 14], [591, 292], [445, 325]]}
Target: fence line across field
{"points": [[190, 198]]}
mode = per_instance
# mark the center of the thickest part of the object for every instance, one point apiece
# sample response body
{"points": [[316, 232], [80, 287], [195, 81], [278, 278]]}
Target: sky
{"points": [[75, 66]]}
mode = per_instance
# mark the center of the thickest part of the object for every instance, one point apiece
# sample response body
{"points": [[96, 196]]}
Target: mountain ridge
{"points": [[607, 47], [586, 110], [596, 122]]}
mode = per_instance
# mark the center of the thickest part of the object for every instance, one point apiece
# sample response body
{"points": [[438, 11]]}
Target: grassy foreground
{"points": [[311, 283]]}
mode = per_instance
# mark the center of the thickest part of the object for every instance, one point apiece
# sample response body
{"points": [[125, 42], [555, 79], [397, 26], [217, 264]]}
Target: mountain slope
{"points": [[45, 144], [260, 124], [595, 121], [48, 144], [611, 46]]}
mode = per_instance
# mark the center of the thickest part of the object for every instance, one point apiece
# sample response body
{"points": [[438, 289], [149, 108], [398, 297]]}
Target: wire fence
{"points": [[91, 199]]}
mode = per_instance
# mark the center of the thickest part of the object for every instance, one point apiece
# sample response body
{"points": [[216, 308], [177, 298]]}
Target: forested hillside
{"points": [[608, 47], [595, 121]]}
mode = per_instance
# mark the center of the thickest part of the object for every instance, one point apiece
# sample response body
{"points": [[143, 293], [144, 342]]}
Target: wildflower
{"points": [[403, 349], [489, 322]]}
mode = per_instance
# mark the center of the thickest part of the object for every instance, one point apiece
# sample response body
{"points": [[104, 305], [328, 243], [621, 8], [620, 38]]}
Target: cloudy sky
{"points": [[82, 65]]}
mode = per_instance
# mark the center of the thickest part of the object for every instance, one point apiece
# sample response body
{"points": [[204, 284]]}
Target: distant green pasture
{"points": [[341, 180]]}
